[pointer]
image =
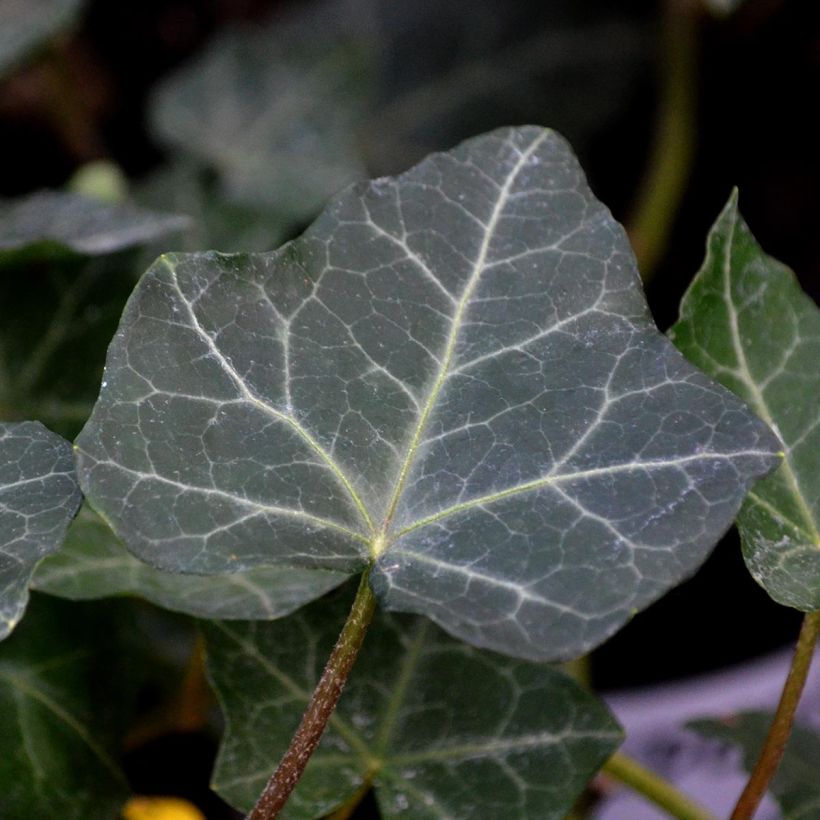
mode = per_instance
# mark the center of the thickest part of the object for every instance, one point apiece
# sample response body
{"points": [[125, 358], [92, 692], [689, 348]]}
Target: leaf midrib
{"points": [[475, 276], [757, 399]]}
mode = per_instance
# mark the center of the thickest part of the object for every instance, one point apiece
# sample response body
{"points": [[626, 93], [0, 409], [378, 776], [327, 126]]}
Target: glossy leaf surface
{"points": [[27, 24], [54, 223], [62, 700], [746, 321], [39, 495], [452, 374], [93, 563], [795, 785], [438, 728]]}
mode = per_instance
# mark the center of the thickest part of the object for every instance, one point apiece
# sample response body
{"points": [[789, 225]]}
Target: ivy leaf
{"points": [[273, 110], [437, 728], [27, 24], [39, 496], [63, 698], [58, 305], [795, 785], [93, 563], [746, 321], [54, 223], [453, 377]]}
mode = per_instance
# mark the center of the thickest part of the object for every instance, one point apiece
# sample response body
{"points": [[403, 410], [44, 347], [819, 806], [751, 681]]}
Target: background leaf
{"points": [[795, 784], [439, 729], [745, 320], [93, 563], [272, 110], [63, 701], [50, 223], [58, 306], [27, 24], [453, 374], [38, 498]]}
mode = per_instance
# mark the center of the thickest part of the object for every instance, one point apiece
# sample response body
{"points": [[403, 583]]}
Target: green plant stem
{"points": [[321, 706], [672, 153], [778, 735], [654, 788]]}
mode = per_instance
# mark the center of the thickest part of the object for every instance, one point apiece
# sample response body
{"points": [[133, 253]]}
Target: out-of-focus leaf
{"points": [[58, 306], [746, 321], [64, 699], [26, 25], [93, 563], [450, 70], [39, 495], [216, 223], [51, 224], [437, 728], [273, 110], [452, 376], [795, 786]]}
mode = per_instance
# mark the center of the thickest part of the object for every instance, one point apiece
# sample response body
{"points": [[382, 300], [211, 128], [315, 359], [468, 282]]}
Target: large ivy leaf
{"points": [[452, 375], [93, 563], [438, 728], [63, 700], [273, 110], [55, 223], [27, 24], [38, 498], [795, 785], [746, 321]]}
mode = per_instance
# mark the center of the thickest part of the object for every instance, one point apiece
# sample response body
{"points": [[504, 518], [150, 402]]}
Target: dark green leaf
{"points": [[93, 563], [215, 222], [439, 729], [39, 496], [27, 24], [746, 321], [795, 786], [62, 701], [59, 308], [453, 375], [273, 111], [53, 223]]}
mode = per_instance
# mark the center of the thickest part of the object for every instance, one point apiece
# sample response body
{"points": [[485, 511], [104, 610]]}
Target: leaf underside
{"points": [[39, 495], [746, 321], [439, 729], [795, 785], [93, 563], [452, 376]]}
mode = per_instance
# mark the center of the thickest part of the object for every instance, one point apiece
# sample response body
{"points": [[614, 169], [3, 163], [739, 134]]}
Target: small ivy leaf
{"points": [[54, 223], [65, 696], [438, 728], [746, 321], [39, 496], [93, 563], [26, 25], [451, 376], [795, 785], [273, 110]]}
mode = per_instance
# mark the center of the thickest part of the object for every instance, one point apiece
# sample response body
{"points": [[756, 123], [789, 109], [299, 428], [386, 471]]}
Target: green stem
{"points": [[654, 788], [672, 153], [779, 731], [321, 706]]}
